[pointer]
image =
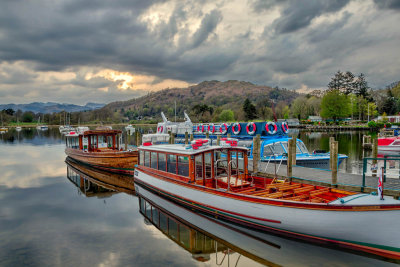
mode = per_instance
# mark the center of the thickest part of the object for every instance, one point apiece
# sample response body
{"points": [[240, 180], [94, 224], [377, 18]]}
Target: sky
{"points": [[73, 51]]}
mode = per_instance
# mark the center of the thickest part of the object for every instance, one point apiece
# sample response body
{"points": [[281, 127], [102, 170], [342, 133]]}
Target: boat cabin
{"points": [[211, 166], [94, 140]]}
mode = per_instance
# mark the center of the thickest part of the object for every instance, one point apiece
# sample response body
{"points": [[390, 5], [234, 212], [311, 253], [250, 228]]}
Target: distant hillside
{"points": [[215, 94], [50, 107]]}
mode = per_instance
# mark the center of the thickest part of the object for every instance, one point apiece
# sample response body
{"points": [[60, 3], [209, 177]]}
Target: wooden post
{"points": [[256, 152], [218, 140], [186, 138], [191, 137], [334, 155], [138, 139], [374, 155], [207, 135], [331, 140], [229, 135], [170, 137], [129, 139], [294, 150], [126, 140], [289, 172]]}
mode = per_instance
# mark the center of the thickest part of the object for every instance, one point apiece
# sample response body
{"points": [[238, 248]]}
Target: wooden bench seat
{"points": [[303, 189], [319, 192]]}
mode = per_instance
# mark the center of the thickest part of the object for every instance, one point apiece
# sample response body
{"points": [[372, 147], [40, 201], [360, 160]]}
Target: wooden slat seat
{"points": [[276, 195], [289, 187], [303, 189], [319, 192], [277, 185], [317, 200], [298, 198], [259, 191]]}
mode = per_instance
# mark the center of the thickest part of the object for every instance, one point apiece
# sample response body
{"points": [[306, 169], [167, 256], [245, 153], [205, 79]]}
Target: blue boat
{"points": [[274, 139]]}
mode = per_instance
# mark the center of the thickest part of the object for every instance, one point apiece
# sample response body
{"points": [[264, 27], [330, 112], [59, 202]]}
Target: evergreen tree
{"points": [[249, 109], [389, 106]]}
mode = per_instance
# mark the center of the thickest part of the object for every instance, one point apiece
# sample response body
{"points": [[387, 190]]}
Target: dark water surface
{"points": [[54, 214]]}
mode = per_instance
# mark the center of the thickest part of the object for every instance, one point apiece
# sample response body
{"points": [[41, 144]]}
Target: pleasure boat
{"points": [[389, 144], [215, 180]]}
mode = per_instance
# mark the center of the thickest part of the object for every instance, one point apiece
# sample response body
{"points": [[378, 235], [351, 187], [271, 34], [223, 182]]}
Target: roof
{"points": [[184, 149], [102, 132]]}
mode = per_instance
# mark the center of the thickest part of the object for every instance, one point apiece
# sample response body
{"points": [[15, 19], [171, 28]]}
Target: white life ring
{"points": [[234, 130], [223, 129], [273, 125], [285, 127], [253, 128], [211, 128]]}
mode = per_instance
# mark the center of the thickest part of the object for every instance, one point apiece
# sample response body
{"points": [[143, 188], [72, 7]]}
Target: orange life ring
{"points": [[273, 125], [223, 129], [285, 127], [234, 130]]}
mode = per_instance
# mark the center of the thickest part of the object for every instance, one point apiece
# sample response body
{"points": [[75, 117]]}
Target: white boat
{"points": [[212, 179], [18, 128], [389, 144], [41, 127]]}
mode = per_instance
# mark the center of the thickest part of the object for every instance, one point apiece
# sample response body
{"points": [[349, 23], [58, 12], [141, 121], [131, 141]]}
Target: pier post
{"points": [[334, 149], [207, 135], [294, 150], [126, 140], [331, 140], [186, 138], [191, 137], [229, 135], [289, 172], [374, 155], [172, 138], [138, 138], [256, 152], [218, 140]]}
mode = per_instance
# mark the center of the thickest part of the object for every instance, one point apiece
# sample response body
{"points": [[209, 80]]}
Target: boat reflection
{"points": [[221, 243], [95, 182]]}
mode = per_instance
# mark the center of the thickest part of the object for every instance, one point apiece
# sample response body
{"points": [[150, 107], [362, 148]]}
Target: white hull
{"points": [[345, 226]]}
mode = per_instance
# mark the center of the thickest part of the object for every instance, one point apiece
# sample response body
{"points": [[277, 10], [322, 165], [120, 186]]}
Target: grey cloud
{"points": [[299, 14], [208, 25], [388, 4]]}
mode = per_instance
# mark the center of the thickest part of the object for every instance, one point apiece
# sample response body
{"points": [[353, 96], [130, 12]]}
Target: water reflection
{"points": [[220, 243]]}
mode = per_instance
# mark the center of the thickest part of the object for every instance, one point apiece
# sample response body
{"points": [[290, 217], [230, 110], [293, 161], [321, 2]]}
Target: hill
{"points": [[208, 98]]}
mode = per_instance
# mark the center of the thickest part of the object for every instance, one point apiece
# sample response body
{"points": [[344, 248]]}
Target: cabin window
{"points": [[154, 160], [184, 236], [183, 166], [240, 161], [301, 147], [155, 216], [147, 158], [268, 152], [162, 162], [148, 210], [163, 222], [396, 143], [285, 147], [173, 229], [171, 163], [278, 148], [199, 167], [207, 163], [141, 157]]}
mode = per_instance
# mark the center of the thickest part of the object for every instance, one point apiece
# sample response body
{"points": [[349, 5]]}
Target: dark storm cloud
{"points": [[388, 4]]}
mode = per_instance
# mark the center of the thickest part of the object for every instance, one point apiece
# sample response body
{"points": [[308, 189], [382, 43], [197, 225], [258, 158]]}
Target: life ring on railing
{"points": [[223, 129], [203, 128], [198, 128], [234, 130], [285, 127], [253, 128], [211, 128], [273, 125], [160, 129]]}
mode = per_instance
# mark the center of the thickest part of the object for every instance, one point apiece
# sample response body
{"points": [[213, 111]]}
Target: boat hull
{"points": [[309, 162], [371, 230], [116, 161]]}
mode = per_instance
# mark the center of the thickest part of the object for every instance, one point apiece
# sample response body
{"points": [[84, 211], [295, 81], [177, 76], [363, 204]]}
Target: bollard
{"points": [[186, 138], [191, 137], [374, 155], [207, 135], [218, 140], [256, 152], [334, 163]]}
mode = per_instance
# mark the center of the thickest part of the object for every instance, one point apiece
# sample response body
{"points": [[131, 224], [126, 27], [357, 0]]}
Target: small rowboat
{"points": [[215, 180]]}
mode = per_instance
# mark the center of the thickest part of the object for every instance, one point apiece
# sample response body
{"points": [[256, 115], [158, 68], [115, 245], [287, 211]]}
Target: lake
{"points": [[58, 214]]}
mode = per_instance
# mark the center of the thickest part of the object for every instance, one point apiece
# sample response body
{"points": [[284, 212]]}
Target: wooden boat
{"points": [[212, 179], [101, 149]]}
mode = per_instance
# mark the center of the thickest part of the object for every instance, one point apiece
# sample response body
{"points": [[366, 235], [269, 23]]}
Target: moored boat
{"points": [[389, 144], [215, 180], [101, 149]]}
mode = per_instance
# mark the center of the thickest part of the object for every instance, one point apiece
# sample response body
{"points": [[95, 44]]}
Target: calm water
{"points": [[54, 214]]}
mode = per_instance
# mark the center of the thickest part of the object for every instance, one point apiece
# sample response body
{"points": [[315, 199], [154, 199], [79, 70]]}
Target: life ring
{"points": [[253, 128], [211, 128], [203, 128], [273, 125], [285, 127], [160, 129], [199, 128], [223, 129], [234, 128]]}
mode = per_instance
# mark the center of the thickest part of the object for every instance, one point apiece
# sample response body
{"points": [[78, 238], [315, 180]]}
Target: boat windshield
{"points": [[273, 149], [301, 148]]}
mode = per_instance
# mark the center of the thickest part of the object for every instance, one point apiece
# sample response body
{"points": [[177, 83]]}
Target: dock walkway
{"points": [[323, 177]]}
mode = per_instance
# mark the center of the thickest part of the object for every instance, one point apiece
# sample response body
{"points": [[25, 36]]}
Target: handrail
{"points": [[385, 158]]}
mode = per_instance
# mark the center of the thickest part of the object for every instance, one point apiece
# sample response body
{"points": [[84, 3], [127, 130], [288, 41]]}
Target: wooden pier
{"points": [[333, 128]]}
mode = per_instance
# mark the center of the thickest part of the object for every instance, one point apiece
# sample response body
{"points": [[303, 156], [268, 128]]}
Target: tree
{"points": [[335, 105], [226, 115], [249, 110], [361, 86], [298, 108], [389, 106], [27, 116]]}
